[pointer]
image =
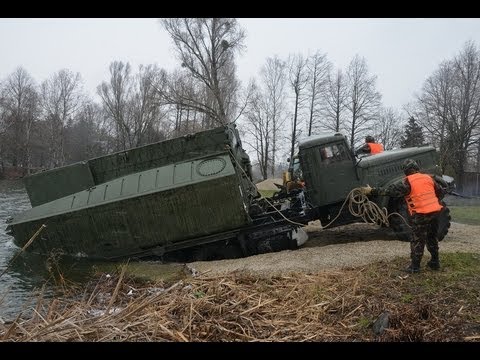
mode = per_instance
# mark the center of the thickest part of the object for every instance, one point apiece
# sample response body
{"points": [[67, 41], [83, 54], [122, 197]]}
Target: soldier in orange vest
{"points": [[370, 147], [422, 194]]}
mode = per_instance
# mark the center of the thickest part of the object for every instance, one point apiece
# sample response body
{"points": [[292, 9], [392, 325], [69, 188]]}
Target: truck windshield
{"points": [[296, 170], [334, 152]]}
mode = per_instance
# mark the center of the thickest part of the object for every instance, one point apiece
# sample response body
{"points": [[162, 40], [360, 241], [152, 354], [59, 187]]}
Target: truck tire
{"points": [[443, 222], [397, 224], [404, 232]]}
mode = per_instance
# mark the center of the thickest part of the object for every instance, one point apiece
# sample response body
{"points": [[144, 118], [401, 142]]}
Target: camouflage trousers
{"points": [[424, 229]]}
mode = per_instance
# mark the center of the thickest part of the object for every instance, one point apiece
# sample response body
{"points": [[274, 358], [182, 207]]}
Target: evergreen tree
{"points": [[413, 134]]}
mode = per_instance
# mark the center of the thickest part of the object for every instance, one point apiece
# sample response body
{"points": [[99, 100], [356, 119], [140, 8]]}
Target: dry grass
{"points": [[327, 306]]}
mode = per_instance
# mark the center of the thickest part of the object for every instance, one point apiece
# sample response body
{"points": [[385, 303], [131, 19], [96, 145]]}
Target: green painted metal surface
{"points": [[170, 151], [54, 184], [147, 209]]}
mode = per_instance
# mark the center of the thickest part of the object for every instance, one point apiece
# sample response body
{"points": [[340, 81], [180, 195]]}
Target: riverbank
{"points": [[345, 284], [338, 288], [370, 303]]}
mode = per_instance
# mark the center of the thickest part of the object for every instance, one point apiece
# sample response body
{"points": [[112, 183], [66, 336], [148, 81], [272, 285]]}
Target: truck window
{"points": [[297, 171], [333, 153]]}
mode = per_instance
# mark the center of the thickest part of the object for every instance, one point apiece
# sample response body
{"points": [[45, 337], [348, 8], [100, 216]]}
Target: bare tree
{"points": [[335, 101], [318, 68], [259, 128], [87, 137], [206, 48], [463, 124], [147, 112], [61, 98], [20, 104], [131, 102], [265, 114], [451, 101], [115, 96], [387, 128], [192, 103], [3, 130], [477, 160], [298, 80], [274, 79], [433, 106], [363, 99]]}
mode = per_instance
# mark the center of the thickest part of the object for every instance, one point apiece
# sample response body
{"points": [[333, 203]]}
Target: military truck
{"points": [[328, 170], [190, 197]]}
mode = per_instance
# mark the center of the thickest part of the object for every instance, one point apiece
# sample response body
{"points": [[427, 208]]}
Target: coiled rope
{"points": [[361, 206]]}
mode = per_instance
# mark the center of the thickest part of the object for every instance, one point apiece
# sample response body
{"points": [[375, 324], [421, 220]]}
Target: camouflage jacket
{"points": [[403, 188]]}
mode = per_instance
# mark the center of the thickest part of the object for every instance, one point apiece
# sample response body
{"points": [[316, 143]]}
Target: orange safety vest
{"points": [[375, 148], [422, 198]]}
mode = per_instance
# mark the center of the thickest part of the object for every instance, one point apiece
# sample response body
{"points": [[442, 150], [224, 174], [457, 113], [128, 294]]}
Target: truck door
{"points": [[333, 175]]}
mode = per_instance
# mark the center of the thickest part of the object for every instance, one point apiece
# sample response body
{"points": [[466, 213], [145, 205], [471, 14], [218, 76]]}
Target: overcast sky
{"points": [[401, 52]]}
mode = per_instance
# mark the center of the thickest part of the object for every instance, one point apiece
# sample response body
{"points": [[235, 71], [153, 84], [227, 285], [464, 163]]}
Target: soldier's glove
{"points": [[366, 190]]}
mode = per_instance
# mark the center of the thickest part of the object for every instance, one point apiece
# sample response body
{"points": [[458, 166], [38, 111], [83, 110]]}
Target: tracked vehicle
{"points": [[180, 194]]}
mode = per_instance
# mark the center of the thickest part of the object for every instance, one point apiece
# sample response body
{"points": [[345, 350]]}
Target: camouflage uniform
{"points": [[424, 233], [423, 225]]}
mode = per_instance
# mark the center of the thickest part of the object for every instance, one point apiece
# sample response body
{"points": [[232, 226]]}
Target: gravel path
{"points": [[347, 246]]}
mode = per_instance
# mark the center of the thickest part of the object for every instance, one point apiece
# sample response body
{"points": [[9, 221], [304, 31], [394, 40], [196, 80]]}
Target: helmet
{"points": [[410, 166], [369, 139]]}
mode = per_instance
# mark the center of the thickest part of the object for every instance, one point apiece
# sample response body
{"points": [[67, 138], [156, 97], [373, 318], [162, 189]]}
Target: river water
{"points": [[24, 275]]}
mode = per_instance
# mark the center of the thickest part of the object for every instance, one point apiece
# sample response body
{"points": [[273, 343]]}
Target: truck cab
{"points": [[329, 170]]}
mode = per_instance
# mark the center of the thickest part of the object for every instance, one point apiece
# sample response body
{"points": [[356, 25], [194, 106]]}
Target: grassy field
{"points": [[465, 214]]}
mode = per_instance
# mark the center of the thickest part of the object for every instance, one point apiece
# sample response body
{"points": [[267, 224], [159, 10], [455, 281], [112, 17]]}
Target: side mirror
{"points": [[288, 160]]}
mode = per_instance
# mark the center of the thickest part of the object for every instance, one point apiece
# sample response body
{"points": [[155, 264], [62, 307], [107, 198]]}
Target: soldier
{"points": [[422, 194], [370, 147]]}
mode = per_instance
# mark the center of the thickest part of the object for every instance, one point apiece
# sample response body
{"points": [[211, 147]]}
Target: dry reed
{"points": [[327, 306]]}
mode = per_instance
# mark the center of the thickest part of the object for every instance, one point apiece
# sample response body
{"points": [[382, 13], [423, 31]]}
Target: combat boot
{"points": [[434, 262], [414, 267]]}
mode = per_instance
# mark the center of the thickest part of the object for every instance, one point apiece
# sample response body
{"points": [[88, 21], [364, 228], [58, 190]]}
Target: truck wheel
{"points": [[397, 224], [404, 232], [443, 223]]}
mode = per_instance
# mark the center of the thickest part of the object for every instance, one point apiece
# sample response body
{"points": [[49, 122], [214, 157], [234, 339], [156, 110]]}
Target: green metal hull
{"points": [[56, 183], [148, 211]]}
